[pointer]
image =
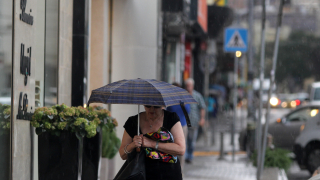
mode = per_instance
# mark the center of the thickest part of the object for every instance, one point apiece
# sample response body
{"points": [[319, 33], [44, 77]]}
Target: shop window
{"points": [[51, 53], [170, 63]]}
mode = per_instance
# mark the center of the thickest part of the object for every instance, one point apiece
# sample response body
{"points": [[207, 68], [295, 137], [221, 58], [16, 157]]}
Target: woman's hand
{"points": [[137, 140], [146, 142]]}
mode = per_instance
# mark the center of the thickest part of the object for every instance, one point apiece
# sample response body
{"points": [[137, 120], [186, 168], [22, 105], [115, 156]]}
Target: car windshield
{"points": [[303, 114], [317, 94]]}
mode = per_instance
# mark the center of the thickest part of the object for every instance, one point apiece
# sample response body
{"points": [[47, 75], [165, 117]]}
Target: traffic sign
{"points": [[235, 39]]}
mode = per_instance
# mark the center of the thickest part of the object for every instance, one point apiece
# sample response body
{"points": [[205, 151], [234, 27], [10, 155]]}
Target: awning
{"points": [[218, 18], [199, 15]]}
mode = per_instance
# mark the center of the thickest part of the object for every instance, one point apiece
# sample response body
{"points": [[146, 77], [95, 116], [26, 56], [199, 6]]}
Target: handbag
{"points": [[133, 168]]}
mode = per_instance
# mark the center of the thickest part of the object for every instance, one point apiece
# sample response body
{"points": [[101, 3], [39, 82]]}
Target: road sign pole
{"points": [[235, 95], [272, 80], [262, 59], [236, 41]]}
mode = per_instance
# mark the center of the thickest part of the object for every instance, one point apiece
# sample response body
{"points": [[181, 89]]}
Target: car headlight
{"points": [[293, 104], [274, 101], [314, 112]]}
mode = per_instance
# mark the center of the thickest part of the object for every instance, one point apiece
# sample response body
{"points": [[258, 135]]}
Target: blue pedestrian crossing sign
{"points": [[235, 39]]}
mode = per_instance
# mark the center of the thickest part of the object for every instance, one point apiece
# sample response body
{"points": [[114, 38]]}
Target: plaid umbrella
{"points": [[142, 92]]}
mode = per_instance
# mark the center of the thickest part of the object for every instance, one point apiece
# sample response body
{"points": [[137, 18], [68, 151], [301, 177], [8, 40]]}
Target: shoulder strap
{"points": [[185, 114]]}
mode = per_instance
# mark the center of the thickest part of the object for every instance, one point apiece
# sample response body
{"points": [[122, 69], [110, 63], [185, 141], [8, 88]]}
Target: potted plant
{"points": [[68, 140], [277, 162]]}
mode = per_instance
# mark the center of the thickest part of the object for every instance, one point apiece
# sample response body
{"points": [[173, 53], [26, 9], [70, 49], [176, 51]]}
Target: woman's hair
{"points": [[176, 84]]}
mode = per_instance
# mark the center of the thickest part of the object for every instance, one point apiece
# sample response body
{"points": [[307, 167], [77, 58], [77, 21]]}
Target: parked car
{"points": [[285, 130], [307, 144], [315, 92]]}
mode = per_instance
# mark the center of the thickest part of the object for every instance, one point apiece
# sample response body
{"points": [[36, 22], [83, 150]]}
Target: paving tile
{"points": [[204, 167]]}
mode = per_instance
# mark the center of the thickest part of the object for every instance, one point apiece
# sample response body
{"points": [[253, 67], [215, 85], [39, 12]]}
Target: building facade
{"points": [[54, 52]]}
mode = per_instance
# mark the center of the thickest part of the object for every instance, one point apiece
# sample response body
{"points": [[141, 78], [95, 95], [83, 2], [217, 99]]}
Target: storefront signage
{"points": [[23, 107], [27, 18], [203, 14], [199, 15], [24, 36], [25, 63], [187, 62], [24, 33]]}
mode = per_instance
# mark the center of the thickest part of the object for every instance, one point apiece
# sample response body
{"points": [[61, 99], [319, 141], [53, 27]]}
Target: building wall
{"points": [[23, 166], [23, 33], [134, 40], [65, 52], [99, 44], [99, 58], [134, 50]]}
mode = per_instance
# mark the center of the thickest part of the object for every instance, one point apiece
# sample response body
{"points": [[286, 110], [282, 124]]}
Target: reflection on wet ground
{"points": [[295, 173]]}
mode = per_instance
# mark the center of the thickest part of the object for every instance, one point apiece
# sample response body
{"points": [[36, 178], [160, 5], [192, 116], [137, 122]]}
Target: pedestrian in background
{"points": [[177, 109], [197, 118]]}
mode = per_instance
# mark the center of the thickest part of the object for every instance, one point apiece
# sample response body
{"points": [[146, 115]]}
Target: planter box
{"points": [[58, 157], [5, 156], [91, 157], [274, 174]]}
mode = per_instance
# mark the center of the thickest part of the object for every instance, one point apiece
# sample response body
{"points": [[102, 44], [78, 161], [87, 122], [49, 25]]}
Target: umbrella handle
{"points": [[138, 149]]}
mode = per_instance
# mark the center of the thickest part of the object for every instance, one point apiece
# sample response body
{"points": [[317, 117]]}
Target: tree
{"points": [[298, 58]]}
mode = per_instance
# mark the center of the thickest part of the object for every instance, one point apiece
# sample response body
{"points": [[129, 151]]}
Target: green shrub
{"points": [[274, 158], [5, 114], [110, 143], [79, 120]]}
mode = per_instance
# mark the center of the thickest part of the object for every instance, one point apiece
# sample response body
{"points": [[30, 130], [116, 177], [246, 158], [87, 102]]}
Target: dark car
{"points": [[284, 130]]}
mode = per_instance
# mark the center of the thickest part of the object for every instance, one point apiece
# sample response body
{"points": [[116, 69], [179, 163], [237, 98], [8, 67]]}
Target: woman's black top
{"points": [[157, 169]]}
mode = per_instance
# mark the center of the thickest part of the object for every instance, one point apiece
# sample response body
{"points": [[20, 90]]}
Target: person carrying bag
{"points": [[161, 140], [133, 168]]}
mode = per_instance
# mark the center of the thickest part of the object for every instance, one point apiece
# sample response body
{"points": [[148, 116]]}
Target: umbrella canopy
{"points": [[141, 92]]}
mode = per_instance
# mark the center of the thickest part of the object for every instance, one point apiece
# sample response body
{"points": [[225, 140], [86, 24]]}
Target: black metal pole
{"points": [[262, 59]]}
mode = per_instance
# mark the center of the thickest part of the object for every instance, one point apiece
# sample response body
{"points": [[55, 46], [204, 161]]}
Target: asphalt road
{"points": [[275, 113]]}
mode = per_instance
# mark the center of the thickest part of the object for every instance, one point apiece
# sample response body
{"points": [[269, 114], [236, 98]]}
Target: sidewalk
{"points": [[209, 167], [206, 165]]}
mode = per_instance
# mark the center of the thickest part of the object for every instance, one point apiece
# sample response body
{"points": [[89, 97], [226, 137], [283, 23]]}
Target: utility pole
{"points": [[262, 59], [272, 80], [251, 109]]}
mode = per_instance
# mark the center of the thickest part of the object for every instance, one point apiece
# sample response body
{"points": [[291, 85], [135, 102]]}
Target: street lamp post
{"points": [[235, 95]]}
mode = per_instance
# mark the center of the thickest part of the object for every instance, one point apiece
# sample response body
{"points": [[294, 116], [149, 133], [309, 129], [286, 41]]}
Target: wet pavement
{"points": [[206, 165], [209, 167]]}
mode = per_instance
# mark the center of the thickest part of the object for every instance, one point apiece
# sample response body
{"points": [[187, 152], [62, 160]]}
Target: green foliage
{"points": [[110, 143], [298, 58], [274, 158], [83, 122], [5, 116]]}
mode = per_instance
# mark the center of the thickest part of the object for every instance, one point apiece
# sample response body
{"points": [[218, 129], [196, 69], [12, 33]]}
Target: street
{"points": [[207, 166]]}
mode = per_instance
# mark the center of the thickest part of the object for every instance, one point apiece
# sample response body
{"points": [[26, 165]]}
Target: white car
{"points": [[315, 92], [307, 143]]}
